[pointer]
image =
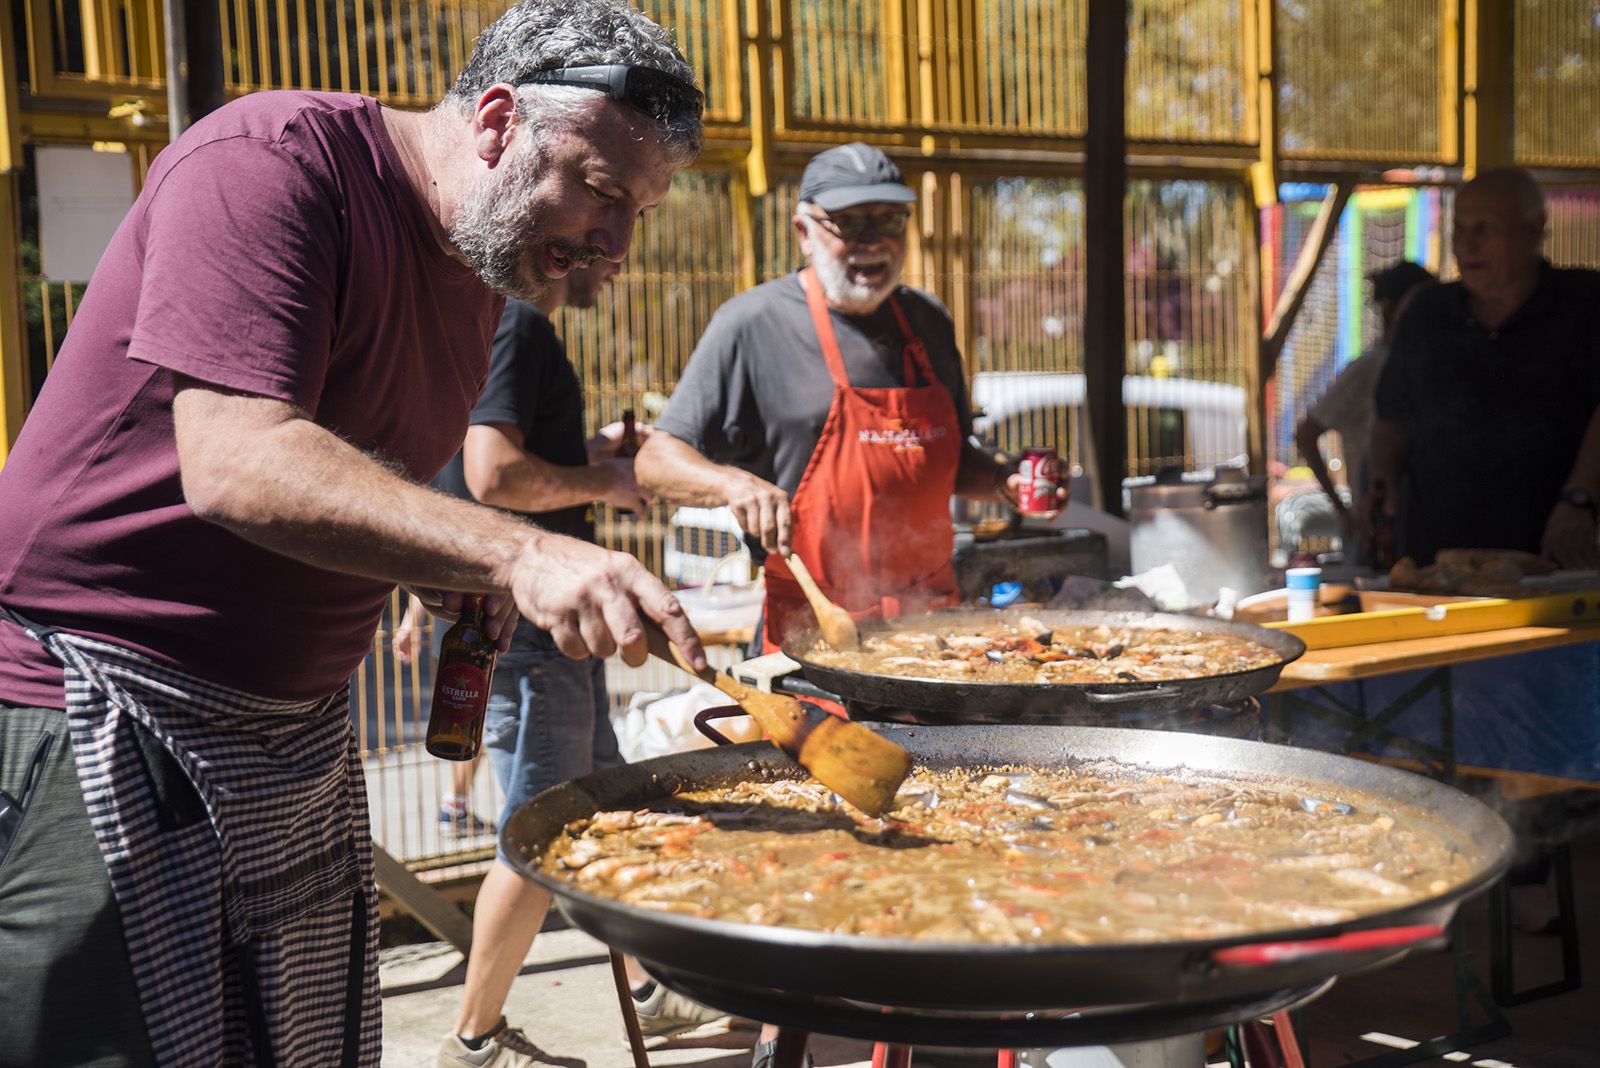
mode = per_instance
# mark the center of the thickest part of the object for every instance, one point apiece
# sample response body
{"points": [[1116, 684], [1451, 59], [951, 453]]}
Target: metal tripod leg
{"points": [[1502, 960], [1468, 989]]}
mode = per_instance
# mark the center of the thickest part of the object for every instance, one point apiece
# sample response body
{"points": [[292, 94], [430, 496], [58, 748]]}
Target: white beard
{"points": [[844, 292]]}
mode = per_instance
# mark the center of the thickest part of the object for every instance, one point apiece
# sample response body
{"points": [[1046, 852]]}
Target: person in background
{"points": [[1486, 408], [828, 410], [1346, 405], [548, 717], [221, 483]]}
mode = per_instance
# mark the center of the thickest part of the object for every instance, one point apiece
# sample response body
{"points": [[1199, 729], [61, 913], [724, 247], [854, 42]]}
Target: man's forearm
{"points": [[1307, 439], [260, 469], [288, 485], [672, 469], [529, 484]]}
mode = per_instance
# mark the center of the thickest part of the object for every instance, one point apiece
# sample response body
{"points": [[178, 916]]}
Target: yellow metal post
{"points": [[959, 297], [927, 105], [744, 230], [1488, 97], [94, 45], [1264, 171], [13, 352], [896, 48], [1450, 80], [762, 69]]}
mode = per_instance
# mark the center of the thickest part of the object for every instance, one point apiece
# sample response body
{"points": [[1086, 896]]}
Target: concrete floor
{"points": [[565, 1002]]}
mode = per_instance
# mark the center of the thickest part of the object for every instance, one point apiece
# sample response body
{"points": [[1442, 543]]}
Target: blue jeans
{"points": [[548, 721]]}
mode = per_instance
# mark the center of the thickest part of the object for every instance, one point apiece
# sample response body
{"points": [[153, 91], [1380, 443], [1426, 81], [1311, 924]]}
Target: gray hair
{"points": [[545, 34]]}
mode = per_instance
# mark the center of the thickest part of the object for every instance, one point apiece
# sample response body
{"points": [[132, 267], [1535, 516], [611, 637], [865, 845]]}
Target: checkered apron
{"points": [[234, 829]]}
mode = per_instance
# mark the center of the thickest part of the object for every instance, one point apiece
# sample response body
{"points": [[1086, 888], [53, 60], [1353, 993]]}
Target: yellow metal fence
{"points": [[1356, 80], [990, 92]]}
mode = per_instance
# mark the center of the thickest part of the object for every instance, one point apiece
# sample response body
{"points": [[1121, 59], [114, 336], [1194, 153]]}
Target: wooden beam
{"points": [[1287, 309], [1305, 268], [1105, 180], [431, 908]]}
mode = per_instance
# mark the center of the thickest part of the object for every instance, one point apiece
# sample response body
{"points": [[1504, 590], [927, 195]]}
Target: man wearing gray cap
{"points": [[828, 410]]}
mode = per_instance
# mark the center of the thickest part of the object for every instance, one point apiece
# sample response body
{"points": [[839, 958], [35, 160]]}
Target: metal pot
{"points": [[940, 975], [1212, 528]]}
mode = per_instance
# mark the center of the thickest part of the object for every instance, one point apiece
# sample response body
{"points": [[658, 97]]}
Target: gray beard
{"points": [[856, 298], [495, 225]]}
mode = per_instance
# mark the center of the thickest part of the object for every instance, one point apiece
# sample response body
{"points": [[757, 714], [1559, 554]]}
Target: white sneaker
{"points": [[665, 1013], [507, 1047], [462, 822]]}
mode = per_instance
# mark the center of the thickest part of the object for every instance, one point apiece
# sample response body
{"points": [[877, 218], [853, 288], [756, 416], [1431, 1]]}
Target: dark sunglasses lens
{"points": [[660, 96], [892, 224], [852, 227]]}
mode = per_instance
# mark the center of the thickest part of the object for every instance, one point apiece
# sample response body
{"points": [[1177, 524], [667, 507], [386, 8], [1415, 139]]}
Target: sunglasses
{"points": [[654, 92], [855, 227]]}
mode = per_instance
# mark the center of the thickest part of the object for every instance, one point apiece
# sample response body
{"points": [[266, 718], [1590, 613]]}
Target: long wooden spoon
{"points": [[864, 768], [837, 624]]}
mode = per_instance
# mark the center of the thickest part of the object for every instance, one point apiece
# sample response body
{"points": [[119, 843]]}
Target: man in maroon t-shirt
{"points": [[219, 485]]}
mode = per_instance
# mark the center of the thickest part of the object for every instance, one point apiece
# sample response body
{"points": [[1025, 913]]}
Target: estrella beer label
{"points": [[461, 692]]}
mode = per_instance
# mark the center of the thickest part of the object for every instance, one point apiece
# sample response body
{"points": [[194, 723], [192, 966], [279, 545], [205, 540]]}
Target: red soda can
{"points": [[1041, 477]]}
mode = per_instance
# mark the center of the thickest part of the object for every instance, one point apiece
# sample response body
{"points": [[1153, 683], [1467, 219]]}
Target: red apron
{"points": [[872, 511]]}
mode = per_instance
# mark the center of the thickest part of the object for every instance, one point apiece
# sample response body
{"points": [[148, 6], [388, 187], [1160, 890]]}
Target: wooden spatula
{"points": [[862, 767], [837, 624]]}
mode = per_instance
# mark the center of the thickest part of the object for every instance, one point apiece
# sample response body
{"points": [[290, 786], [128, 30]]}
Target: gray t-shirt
{"points": [[756, 391], [1347, 407]]}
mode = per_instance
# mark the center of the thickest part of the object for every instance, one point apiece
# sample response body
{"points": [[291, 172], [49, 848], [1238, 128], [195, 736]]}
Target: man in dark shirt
{"points": [[1486, 409], [548, 721]]}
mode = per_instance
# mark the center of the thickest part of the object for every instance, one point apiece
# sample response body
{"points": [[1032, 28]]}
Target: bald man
{"points": [[1486, 408]]}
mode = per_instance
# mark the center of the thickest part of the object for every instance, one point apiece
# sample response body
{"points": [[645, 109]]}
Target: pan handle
{"points": [[703, 718], [1263, 954], [1142, 693]]}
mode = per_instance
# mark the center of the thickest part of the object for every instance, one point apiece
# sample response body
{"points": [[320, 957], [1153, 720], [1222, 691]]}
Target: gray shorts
{"points": [[65, 980], [548, 721]]}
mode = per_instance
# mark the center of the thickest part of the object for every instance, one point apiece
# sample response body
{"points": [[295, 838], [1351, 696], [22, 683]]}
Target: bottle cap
{"points": [[1005, 593], [1303, 578]]}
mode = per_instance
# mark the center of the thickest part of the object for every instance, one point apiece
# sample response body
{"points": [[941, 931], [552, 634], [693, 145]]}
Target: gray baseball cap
{"points": [[853, 174]]}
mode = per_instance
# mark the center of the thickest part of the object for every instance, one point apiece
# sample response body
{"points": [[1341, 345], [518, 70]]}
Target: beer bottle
{"points": [[461, 686], [629, 446], [1381, 552]]}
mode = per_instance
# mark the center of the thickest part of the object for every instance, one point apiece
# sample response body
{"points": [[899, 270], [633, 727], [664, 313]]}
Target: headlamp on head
{"points": [[657, 94]]}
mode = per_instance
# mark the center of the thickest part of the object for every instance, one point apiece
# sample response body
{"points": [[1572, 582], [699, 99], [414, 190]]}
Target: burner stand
{"points": [[1089, 1026]]}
